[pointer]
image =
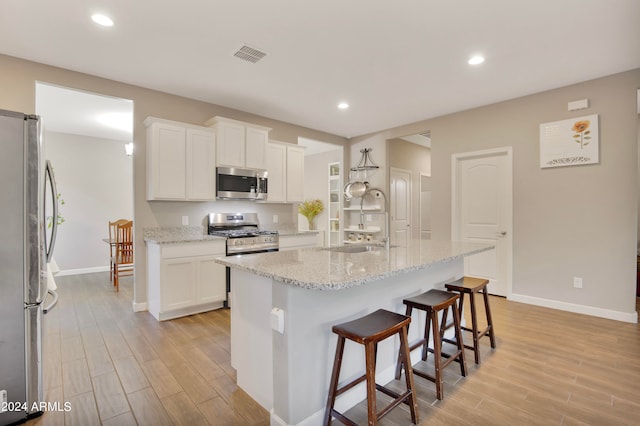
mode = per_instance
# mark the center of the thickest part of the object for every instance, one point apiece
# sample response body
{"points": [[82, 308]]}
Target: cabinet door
{"points": [[295, 174], [178, 286], [230, 141], [166, 162], [276, 166], [212, 280], [255, 148], [201, 165]]}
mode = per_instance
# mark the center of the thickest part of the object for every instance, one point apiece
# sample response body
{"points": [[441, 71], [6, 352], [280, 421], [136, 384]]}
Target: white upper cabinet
{"points": [[240, 144], [276, 166], [201, 165], [180, 161], [295, 174], [285, 164]]}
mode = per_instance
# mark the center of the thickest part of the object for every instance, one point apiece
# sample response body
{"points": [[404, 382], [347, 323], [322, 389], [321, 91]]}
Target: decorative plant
{"points": [[60, 218], [310, 209], [582, 132]]}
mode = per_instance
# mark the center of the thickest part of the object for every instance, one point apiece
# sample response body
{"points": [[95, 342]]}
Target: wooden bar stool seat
{"points": [[433, 302], [368, 331], [471, 286]]}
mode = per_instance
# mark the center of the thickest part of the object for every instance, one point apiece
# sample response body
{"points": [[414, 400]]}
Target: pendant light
{"points": [[366, 167]]}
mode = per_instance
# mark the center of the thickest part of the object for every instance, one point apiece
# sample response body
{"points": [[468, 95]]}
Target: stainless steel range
{"points": [[242, 232], [243, 235]]}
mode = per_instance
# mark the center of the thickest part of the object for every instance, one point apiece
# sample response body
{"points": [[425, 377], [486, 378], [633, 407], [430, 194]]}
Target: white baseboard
{"points": [[140, 307], [631, 317], [62, 273]]}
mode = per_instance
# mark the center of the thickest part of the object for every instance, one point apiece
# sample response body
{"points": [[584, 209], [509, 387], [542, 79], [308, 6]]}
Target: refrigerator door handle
{"points": [[53, 303], [54, 220]]}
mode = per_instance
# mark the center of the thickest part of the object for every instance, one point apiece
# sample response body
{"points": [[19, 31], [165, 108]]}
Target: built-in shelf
{"points": [[368, 230], [363, 242], [334, 225], [364, 208]]}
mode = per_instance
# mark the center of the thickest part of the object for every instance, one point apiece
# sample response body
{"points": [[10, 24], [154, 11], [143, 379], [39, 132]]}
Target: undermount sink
{"points": [[361, 248]]}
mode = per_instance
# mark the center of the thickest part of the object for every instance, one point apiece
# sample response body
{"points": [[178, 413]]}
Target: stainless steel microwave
{"points": [[241, 184]]}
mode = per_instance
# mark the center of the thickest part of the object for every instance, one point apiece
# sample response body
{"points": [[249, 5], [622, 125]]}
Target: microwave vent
{"points": [[249, 54]]}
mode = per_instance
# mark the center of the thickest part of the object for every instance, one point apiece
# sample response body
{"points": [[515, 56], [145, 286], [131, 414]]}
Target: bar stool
{"points": [[368, 331], [432, 302], [470, 286]]}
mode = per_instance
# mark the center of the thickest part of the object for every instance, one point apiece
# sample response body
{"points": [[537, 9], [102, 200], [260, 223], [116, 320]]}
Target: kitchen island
{"points": [[284, 304]]}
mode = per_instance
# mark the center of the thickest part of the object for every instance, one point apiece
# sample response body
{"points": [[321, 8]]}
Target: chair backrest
{"points": [[124, 242], [112, 228]]}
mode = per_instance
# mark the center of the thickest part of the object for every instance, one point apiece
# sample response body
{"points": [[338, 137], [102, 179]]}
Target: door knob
{"points": [[502, 234]]}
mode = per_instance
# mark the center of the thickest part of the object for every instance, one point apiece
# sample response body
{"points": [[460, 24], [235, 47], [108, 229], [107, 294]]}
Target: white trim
{"points": [[65, 272], [140, 307], [631, 317], [455, 214]]}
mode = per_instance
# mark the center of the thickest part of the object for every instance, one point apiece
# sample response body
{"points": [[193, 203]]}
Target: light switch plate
{"points": [[277, 320]]}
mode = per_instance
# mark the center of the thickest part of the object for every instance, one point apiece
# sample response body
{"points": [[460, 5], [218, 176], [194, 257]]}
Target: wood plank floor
{"points": [[116, 367]]}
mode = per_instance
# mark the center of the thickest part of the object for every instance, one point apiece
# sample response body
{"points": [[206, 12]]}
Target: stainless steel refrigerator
{"points": [[26, 246]]}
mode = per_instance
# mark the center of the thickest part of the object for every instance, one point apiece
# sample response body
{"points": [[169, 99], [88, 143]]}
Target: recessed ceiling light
{"points": [[343, 105], [476, 60], [103, 20]]}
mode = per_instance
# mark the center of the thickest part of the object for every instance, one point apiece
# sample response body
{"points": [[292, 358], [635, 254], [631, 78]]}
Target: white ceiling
{"points": [[394, 62]]}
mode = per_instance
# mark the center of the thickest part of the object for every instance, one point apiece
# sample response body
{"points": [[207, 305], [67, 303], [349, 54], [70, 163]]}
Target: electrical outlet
{"points": [[185, 220], [577, 282], [275, 218], [3, 400]]}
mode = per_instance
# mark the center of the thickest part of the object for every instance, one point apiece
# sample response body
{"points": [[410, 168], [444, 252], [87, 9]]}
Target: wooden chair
{"points": [[123, 258], [112, 245]]}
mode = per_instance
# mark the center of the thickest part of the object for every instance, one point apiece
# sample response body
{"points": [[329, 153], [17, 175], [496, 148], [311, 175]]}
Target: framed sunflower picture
{"points": [[569, 142]]}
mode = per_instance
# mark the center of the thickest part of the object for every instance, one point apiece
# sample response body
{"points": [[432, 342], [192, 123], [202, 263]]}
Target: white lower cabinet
{"points": [[184, 279]]}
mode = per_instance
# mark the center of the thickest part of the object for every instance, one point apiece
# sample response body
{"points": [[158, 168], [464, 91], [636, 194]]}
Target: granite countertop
{"points": [[322, 269], [178, 234], [191, 234]]}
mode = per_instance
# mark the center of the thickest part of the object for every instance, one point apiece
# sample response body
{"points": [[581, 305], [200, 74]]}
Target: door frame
{"points": [[456, 214]]}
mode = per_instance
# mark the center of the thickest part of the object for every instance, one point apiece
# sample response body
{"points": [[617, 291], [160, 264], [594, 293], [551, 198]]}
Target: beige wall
{"points": [[568, 221], [17, 92]]}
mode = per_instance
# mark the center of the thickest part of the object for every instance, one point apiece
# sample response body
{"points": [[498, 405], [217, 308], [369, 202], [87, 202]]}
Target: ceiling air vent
{"points": [[249, 54]]}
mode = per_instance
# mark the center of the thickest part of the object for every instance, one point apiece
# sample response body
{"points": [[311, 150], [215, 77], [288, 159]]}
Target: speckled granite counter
{"points": [[177, 234], [189, 234], [323, 269]]}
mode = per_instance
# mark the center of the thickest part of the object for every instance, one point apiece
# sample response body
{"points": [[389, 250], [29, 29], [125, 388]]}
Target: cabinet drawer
{"points": [[206, 248]]}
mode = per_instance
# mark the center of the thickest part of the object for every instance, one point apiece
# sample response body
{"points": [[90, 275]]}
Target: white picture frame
{"points": [[570, 142]]}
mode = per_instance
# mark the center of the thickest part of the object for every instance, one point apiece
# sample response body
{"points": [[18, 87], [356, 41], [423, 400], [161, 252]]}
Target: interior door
{"points": [[400, 206], [483, 213]]}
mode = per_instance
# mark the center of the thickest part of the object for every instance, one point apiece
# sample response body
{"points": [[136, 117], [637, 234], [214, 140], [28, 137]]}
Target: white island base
{"points": [[288, 373]]}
